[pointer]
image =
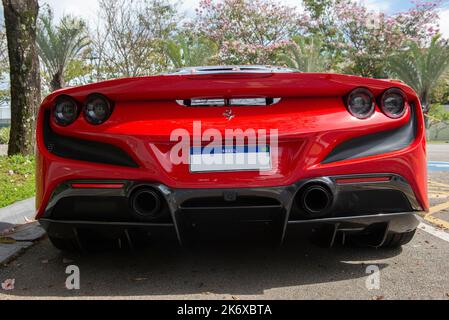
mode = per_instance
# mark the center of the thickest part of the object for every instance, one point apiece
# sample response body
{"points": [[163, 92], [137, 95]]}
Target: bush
{"points": [[4, 135]]}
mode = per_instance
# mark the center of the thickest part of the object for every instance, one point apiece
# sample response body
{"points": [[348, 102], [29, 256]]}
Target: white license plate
{"points": [[230, 158]]}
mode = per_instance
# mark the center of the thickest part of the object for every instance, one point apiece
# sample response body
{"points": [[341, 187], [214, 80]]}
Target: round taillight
{"points": [[360, 103], [97, 109], [65, 111], [393, 103]]}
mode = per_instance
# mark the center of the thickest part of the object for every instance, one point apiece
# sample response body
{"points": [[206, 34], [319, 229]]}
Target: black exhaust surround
{"points": [[347, 206], [147, 204]]}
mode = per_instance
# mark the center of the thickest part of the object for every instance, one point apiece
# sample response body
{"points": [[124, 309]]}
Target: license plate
{"points": [[230, 158]]}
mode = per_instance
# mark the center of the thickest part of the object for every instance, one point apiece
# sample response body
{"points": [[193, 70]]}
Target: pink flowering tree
{"points": [[369, 37], [249, 31]]}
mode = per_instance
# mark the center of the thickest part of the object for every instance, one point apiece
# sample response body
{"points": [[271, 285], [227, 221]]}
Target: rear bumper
{"points": [[355, 207]]}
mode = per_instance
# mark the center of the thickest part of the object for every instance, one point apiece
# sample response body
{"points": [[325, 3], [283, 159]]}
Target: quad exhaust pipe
{"points": [[146, 204]]}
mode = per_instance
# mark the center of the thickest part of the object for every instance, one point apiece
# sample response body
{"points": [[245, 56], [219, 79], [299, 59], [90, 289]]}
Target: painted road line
{"points": [[438, 208], [442, 193], [438, 184], [434, 231], [438, 190], [437, 222], [438, 196]]}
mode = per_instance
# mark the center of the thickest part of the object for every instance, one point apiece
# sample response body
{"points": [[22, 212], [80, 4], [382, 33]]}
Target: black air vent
{"points": [[84, 150]]}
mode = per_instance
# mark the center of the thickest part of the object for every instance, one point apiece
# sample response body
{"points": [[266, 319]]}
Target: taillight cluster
{"points": [[96, 109], [361, 103]]}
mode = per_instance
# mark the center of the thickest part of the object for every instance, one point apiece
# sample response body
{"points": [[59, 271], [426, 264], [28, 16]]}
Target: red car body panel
{"points": [[311, 119]]}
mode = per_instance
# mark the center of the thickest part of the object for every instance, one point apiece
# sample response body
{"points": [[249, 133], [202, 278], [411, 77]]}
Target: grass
{"points": [[16, 179]]}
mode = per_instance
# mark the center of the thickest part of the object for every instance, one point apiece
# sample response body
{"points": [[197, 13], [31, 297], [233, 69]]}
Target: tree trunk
{"points": [[20, 23], [57, 82]]}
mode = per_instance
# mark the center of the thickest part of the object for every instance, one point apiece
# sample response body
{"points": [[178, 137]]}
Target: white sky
{"points": [[87, 8]]}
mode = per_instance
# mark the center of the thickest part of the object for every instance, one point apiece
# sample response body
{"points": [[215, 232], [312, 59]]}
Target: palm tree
{"points": [[421, 68], [59, 45], [186, 52], [305, 54]]}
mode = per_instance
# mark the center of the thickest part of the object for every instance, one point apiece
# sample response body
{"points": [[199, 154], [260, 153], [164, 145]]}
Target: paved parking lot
{"points": [[247, 267], [236, 270]]}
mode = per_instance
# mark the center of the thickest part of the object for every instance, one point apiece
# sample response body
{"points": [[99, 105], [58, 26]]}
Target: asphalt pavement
{"points": [[237, 271]]}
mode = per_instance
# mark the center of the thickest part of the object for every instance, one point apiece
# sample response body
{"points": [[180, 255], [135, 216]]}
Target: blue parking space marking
{"points": [[438, 166]]}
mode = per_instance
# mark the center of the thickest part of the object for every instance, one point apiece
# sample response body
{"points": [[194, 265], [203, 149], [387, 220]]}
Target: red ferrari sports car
{"points": [[130, 157]]}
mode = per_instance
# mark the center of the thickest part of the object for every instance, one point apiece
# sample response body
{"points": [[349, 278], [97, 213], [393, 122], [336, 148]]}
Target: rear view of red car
{"points": [[128, 157]]}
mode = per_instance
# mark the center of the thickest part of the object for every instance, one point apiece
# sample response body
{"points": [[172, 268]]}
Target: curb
{"points": [[16, 231], [18, 213]]}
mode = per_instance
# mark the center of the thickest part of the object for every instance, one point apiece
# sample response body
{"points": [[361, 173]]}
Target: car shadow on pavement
{"points": [[242, 266]]}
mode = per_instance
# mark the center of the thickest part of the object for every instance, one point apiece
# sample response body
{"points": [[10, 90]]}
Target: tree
{"points": [[440, 92], [323, 23], [3, 49], [162, 19], [20, 22], [186, 52], [421, 68], [248, 32], [127, 39], [360, 40], [60, 45], [305, 54], [4, 66], [438, 120], [130, 40], [370, 37]]}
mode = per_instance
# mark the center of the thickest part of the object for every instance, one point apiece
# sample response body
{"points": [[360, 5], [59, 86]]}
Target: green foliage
{"points": [[440, 92], [4, 94], [421, 68], [16, 179], [325, 26], [77, 70], [185, 52], [4, 135], [438, 113], [319, 8], [59, 45], [305, 54]]}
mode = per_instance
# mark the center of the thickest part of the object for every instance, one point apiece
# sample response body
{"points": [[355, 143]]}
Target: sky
{"points": [[88, 8]]}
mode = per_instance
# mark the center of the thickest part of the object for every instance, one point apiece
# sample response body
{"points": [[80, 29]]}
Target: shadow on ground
{"points": [[214, 265]]}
